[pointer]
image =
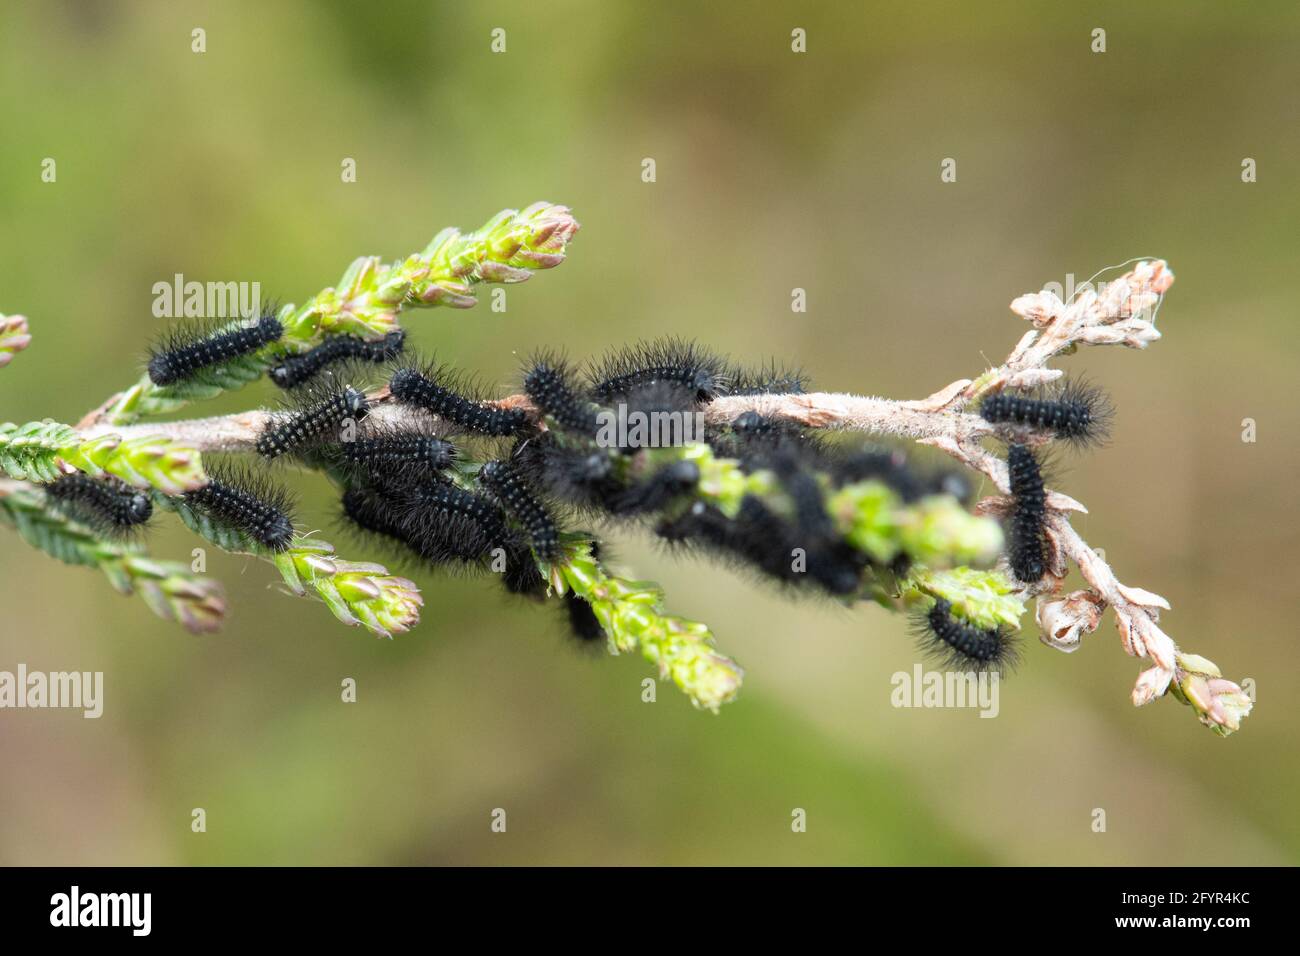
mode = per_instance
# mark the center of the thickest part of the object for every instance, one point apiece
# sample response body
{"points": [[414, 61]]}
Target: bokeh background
{"points": [[775, 170]]}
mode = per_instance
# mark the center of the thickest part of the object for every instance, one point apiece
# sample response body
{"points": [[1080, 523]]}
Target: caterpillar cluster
{"points": [[108, 506], [412, 487], [571, 462], [957, 644], [295, 370], [444, 525], [402, 485], [248, 502], [189, 349], [1077, 413]]}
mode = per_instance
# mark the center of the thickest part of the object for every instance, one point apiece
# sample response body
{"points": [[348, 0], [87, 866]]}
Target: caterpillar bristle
{"points": [[440, 391], [109, 506], [321, 413], [296, 370], [189, 348], [673, 361], [1026, 549], [517, 498], [957, 644], [1076, 412], [247, 501]]}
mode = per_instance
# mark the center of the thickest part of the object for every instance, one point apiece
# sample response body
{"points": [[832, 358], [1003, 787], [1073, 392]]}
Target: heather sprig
{"points": [[370, 296], [762, 486], [632, 615], [356, 593], [170, 589], [33, 451]]}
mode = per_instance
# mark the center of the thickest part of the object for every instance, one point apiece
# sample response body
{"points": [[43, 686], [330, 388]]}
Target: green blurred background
{"points": [[775, 171]]}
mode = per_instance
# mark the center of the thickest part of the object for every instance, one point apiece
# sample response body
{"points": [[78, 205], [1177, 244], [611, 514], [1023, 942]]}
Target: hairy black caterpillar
{"points": [[547, 384], [322, 415], [517, 498], [583, 623], [958, 644], [891, 467], [770, 379], [251, 503], [760, 441], [760, 538], [577, 473], [188, 349], [437, 522], [658, 398], [421, 388], [595, 478], [1025, 545], [109, 506], [294, 370], [656, 491], [372, 512], [444, 522], [673, 361], [1077, 413], [393, 455], [521, 574]]}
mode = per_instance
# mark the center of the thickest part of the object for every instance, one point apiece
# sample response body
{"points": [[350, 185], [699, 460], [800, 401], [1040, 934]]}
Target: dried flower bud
{"points": [[1064, 622], [1151, 683]]}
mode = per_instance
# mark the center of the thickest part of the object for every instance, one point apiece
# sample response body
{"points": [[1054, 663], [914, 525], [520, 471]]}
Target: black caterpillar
{"points": [[1077, 413], [547, 384], [771, 379], [510, 489], [294, 370], [393, 455], [670, 361], [444, 522], [252, 504], [371, 511], [1025, 545], [320, 418], [961, 644], [410, 386], [109, 506], [189, 349], [583, 623], [761, 539]]}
